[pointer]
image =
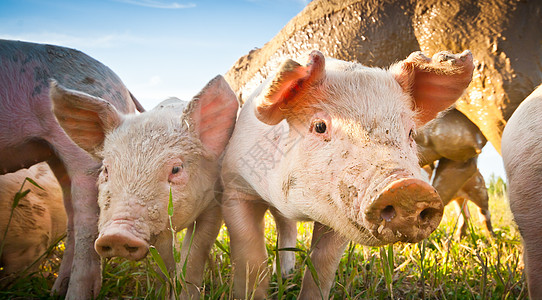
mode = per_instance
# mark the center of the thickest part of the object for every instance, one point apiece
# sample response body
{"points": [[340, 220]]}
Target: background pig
{"points": [[452, 142], [38, 220], [474, 190], [332, 142], [174, 147], [521, 149], [30, 134]]}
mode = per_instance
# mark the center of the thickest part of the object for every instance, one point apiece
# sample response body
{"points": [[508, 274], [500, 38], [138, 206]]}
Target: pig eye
{"points": [[320, 126], [411, 134], [176, 169]]}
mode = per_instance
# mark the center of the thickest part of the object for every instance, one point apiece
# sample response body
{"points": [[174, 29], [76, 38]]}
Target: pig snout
{"points": [[406, 210], [118, 241]]}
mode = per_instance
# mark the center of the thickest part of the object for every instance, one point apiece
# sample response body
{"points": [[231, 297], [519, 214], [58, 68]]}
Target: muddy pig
{"points": [[174, 147], [38, 220], [332, 142], [521, 150], [474, 189], [452, 143]]}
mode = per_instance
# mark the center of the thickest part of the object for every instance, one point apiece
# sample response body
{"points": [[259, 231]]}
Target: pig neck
{"points": [[265, 153]]}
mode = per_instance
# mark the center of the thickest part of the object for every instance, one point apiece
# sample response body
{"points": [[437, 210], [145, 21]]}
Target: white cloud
{"points": [[158, 4], [79, 42], [154, 80]]}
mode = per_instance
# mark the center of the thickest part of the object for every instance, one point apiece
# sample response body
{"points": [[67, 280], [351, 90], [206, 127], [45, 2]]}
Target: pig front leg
{"points": [[327, 247], [83, 276], [244, 217], [451, 175], [476, 190], [287, 238], [61, 283], [206, 230]]}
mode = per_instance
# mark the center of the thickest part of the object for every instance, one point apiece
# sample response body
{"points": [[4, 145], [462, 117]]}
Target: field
{"points": [[477, 266]]}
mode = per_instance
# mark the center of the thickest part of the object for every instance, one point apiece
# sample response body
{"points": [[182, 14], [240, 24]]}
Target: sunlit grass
{"points": [[478, 266]]}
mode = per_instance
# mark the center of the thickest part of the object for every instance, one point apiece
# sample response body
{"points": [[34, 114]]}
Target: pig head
{"points": [[175, 147], [339, 149]]}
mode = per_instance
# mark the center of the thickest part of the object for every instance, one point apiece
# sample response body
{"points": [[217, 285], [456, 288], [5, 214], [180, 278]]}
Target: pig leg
{"points": [[62, 281], [206, 230], [327, 247], [476, 190], [525, 194], [525, 206], [287, 238], [451, 175], [85, 276], [464, 216], [244, 216]]}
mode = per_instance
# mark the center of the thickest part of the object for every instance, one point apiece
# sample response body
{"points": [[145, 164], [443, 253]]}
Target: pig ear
{"points": [[434, 83], [85, 118], [213, 112], [291, 79]]}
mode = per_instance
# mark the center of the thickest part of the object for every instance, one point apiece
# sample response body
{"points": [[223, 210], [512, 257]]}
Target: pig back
{"points": [[350, 30], [27, 67]]}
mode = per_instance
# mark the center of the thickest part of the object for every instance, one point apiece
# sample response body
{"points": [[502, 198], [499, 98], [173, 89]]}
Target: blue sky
{"points": [[162, 48]]}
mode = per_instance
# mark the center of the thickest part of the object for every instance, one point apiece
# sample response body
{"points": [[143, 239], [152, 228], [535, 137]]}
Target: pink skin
{"points": [[174, 147], [30, 134], [521, 148], [340, 153]]}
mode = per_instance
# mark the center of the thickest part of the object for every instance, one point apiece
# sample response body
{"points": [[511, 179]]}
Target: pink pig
{"points": [[332, 142], [521, 150], [174, 147]]}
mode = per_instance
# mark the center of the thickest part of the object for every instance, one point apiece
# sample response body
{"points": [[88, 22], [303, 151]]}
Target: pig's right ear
{"points": [[292, 79], [85, 118]]}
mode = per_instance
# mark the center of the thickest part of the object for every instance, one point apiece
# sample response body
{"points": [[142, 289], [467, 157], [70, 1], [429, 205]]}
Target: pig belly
{"points": [[24, 155]]}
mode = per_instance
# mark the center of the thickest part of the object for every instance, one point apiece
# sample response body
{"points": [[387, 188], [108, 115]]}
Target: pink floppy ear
{"points": [[85, 118], [434, 83], [213, 112], [291, 80]]}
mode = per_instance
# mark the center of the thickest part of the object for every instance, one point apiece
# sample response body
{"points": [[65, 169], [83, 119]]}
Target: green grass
{"points": [[477, 266]]}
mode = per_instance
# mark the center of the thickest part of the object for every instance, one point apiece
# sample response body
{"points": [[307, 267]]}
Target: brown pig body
{"points": [[452, 142]]}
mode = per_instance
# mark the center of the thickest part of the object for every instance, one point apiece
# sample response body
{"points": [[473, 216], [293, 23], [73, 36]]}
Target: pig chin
{"points": [[396, 208]]}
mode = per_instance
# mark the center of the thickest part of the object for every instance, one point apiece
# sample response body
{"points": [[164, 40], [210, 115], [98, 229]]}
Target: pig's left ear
{"points": [[212, 113], [283, 93], [434, 83]]}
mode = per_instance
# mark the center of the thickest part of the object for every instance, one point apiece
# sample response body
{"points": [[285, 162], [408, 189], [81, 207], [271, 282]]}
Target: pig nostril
{"points": [[427, 214], [131, 249], [106, 248], [388, 213]]}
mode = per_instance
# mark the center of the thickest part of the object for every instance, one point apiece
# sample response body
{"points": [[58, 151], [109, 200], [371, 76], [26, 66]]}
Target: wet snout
{"points": [[117, 240], [406, 210]]}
